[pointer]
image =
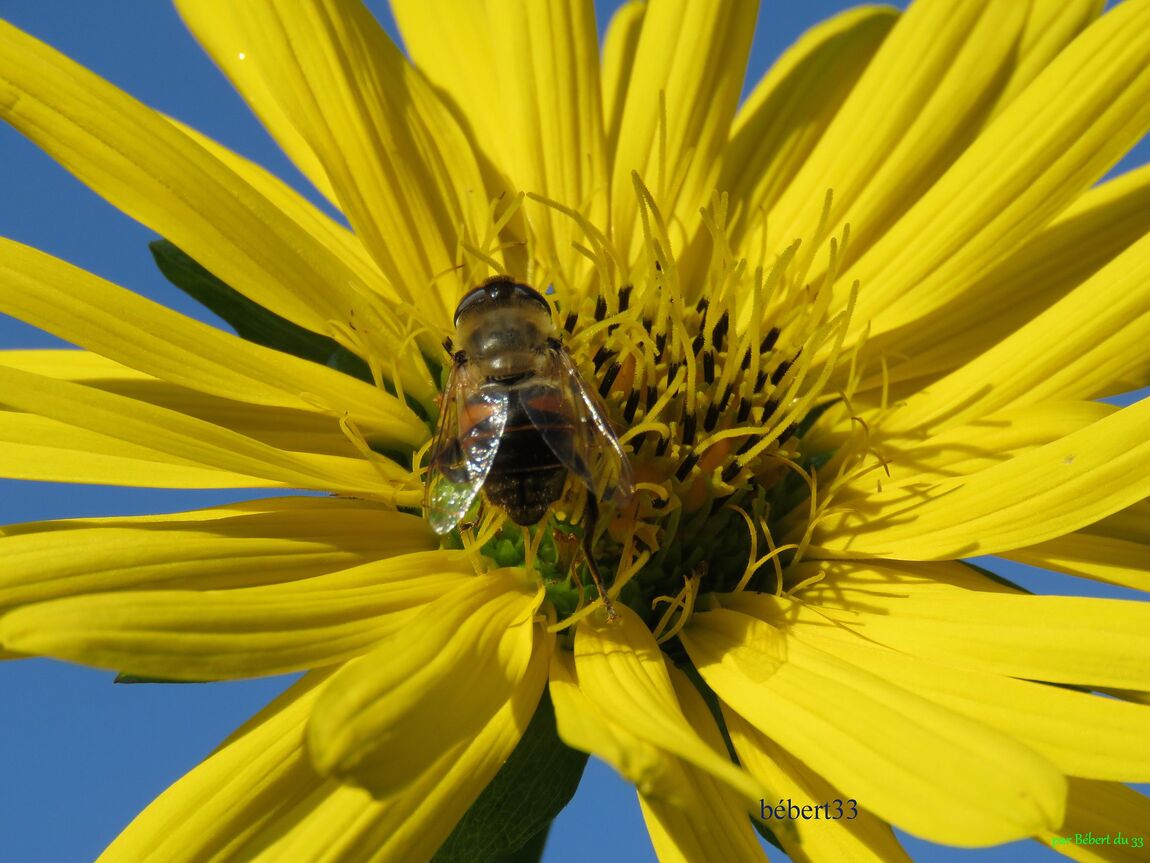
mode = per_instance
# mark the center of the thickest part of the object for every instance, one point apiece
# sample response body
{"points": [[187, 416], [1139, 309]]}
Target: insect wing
{"points": [[573, 422], [471, 422]]}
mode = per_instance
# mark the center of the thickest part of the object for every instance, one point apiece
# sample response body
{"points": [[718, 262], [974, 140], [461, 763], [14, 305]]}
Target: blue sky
{"points": [[81, 756]]}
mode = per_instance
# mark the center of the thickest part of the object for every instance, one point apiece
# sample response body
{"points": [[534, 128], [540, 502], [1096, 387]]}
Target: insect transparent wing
{"points": [[471, 422], [573, 421]]}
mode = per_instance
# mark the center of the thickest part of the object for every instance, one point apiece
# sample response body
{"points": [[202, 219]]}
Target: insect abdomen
{"points": [[526, 477]]}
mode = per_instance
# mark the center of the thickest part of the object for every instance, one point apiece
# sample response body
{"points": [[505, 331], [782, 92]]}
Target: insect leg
{"points": [[591, 510]]}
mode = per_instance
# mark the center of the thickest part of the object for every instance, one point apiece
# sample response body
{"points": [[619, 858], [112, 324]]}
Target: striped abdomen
{"points": [[527, 477]]}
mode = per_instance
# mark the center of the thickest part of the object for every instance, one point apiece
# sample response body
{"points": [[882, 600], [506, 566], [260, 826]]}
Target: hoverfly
{"points": [[517, 419]]}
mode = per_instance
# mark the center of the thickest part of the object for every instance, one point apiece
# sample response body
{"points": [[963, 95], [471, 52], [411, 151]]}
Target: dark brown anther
{"points": [[726, 399], [747, 443], [697, 344], [625, 297], [689, 423], [600, 308], [661, 446], [708, 367], [731, 471], [570, 321], [711, 418], [631, 406], [769, 408], [768, 342], [788, 432], [609, 379], [744, 411], [660, 345], [702, 305], [685, 468], [652, 396], [780, 371], [760, 380], [647, 324], [719, 334], [746, 363], [601, 356]]}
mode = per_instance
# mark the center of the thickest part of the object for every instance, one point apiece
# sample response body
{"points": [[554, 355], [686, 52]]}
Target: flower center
{"points": [[712, 368]]}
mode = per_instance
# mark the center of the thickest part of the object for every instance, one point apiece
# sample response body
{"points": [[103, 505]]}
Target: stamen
{"points": [[631, 406], [609, 379], [683, 602], [719, 333], [685, 468]]}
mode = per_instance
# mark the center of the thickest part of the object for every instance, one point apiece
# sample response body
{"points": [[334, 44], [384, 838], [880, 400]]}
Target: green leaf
{"points": [[508, 823], [250, 320]]}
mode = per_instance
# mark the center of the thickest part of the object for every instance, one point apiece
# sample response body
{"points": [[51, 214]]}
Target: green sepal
{"points": [[995, 577], [249, 319], [125, 677], [504, 823]]}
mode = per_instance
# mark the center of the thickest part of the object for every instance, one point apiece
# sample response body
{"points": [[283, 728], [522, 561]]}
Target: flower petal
{"points": [[711, 824], [1089, 344], [1103, 809], [622, 673], [400, 166], [862, 838], [242, 632], [236, 545], [681, 96], [450, 43], [412, 824], [781, 121], [582, 726], [142, 164], [95, 314], [1086, 236], [546, 57], [382, 720], [227, 798], [185, 440], [912, 112], [1048, 719], [258, 799], [36, 448], [381, 321], [525, 80], [983, 443], [620, 45], [1060, 639], [1041, 494], [1051, 25], [1036, 157], [918, 766], [291, 429], [1115, 549]]}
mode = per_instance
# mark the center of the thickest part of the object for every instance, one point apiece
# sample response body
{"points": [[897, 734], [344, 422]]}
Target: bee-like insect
{"points": [[517, 419]]}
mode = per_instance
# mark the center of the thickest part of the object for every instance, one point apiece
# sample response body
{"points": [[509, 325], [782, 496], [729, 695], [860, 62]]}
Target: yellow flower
{"points": [[850, 332]]}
